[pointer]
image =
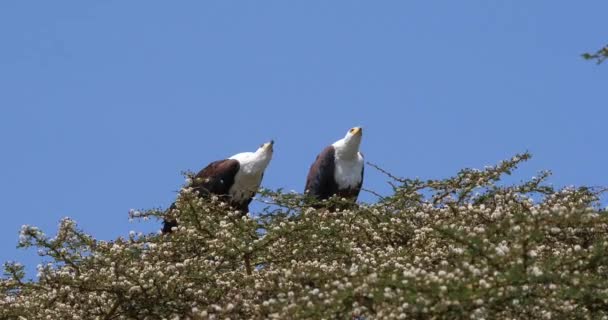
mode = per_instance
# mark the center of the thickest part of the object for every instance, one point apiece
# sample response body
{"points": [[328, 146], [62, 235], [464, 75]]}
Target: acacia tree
{"points": [[463, 247]]}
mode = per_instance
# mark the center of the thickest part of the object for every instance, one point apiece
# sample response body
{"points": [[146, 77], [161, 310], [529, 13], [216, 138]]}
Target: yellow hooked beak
{"points": [[356, 130], [268, 145]]}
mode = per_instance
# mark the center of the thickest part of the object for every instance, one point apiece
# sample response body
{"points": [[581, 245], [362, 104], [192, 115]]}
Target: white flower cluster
{"points": [[463, 247]]}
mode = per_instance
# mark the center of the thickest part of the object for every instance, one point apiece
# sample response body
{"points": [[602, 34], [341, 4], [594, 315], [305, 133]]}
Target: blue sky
{"points": [[104, 103]]}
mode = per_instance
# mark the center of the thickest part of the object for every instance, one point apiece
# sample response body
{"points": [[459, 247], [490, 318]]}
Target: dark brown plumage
{"points": [[321, 183], [234, 180], [215, 179]]}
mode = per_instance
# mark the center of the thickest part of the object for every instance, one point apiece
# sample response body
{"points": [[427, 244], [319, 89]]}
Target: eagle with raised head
{"points": [[338, 169], [234, 180]]}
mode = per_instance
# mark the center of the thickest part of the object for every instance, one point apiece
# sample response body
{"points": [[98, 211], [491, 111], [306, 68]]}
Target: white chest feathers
{"points": [[249, 177], [251, 170], [347, 172], [246, 184]]}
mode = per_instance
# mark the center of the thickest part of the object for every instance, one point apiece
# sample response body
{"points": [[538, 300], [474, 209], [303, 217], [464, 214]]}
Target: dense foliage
{"points": [[463, 247]]}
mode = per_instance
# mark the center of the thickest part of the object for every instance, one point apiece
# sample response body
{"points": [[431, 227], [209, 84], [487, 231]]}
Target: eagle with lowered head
{"points": [[338, 169], [234, 180]]}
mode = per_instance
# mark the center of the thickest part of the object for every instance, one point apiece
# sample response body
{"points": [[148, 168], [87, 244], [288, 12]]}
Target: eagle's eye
{"points": [[351, 130], [262, 145]]}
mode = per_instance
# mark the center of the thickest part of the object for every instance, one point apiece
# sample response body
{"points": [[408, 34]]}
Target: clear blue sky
{"points": [[103, 104]]}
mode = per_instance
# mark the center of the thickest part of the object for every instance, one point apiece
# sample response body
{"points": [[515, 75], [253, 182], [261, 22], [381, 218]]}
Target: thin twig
{"points": [[374, 193], [386, 172]]}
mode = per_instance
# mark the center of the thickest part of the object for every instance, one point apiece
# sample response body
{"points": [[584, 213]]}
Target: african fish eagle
{"points": [[235, 180], [338, 169]]}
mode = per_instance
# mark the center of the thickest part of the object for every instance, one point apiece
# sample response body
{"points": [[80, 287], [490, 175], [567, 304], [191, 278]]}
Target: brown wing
{"points": [[216, 178], [320, 181]]}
